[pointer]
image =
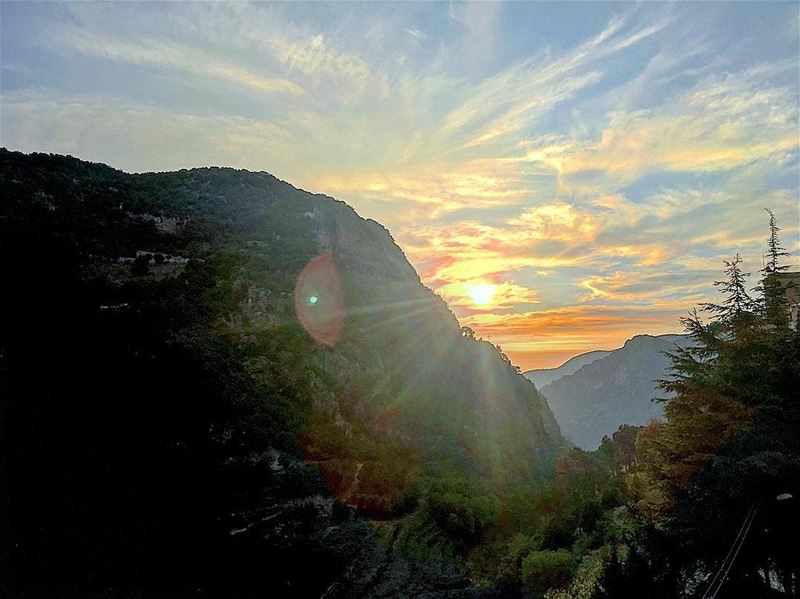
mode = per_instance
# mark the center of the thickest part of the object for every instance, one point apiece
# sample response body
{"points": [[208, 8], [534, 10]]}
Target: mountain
{"points": [[214, 370], [612, 390], [544, 376]]}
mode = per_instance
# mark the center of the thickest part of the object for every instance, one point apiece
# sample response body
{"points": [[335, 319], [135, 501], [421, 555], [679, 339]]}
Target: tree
{"points": [[737, 302], [507, 360], [729, 439], [772, 302], [545, 570], [775, 251], [619, 450]]}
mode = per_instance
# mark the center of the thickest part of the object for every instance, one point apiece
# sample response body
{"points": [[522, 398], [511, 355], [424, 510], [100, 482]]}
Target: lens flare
{"points": [[318, 300]]}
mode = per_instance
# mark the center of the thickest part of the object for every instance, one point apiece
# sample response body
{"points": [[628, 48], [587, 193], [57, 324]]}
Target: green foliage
{"points": [[558, 531], [619, 450], [589, 579], [517, 549], [737, 302], [772, 303], [590, 514], [545, 570], [612, 496], [462, 509], [420, 538]]}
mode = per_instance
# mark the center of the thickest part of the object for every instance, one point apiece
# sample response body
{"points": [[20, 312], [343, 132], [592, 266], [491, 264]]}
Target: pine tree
{"points": [[775, 251], [737, 302], [772, 303]]}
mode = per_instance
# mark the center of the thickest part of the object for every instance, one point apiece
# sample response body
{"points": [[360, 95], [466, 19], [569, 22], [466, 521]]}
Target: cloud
{"points": [[135, 136], [558, 221], [474, 184], [650, 287], [163, 53], [517, 96], [546, 338], [597, 177], [458, 163], [325, 68], [722, 123]]}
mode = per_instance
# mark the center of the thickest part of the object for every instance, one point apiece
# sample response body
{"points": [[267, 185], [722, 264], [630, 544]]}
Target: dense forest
{"points": [[215, 384]]}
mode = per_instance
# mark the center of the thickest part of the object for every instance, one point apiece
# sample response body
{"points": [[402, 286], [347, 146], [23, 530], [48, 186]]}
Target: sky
{"points": [[565, 175]]}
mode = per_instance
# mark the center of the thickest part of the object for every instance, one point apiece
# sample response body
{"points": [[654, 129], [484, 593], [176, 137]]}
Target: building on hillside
{"points": [[791, 283]]}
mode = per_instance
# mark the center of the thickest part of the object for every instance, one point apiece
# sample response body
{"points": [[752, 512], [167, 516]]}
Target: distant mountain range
{"points": [[594, 393], [545, 376]]}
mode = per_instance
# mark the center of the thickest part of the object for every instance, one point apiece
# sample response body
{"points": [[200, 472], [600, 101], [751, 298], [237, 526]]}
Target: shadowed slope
{"points": [[162, 398]]}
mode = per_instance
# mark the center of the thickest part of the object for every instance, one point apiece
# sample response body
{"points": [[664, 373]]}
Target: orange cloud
{"points": [[545, 338]]}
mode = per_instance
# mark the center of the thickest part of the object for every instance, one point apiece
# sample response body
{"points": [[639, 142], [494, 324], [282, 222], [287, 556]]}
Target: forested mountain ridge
{"points": [[207, 367], [615, 389]]}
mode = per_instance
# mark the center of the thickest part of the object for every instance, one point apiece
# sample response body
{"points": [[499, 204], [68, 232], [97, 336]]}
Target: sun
{"points": [[481, 294]]}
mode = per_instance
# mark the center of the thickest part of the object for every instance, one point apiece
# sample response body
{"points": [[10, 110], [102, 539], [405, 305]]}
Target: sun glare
{"points": [[481, 294]]}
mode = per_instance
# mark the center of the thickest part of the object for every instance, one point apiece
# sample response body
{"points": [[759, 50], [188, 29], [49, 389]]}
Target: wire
{"points": [[730, 551], [748, 517], [730, 565]]}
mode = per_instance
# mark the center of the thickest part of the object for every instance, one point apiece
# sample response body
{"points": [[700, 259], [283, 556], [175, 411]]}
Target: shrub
{"points": [[544, 570]]}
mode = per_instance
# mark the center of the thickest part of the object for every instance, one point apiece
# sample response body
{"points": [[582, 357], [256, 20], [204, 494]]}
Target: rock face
{"points": [[197, 422], [612, 390]]}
